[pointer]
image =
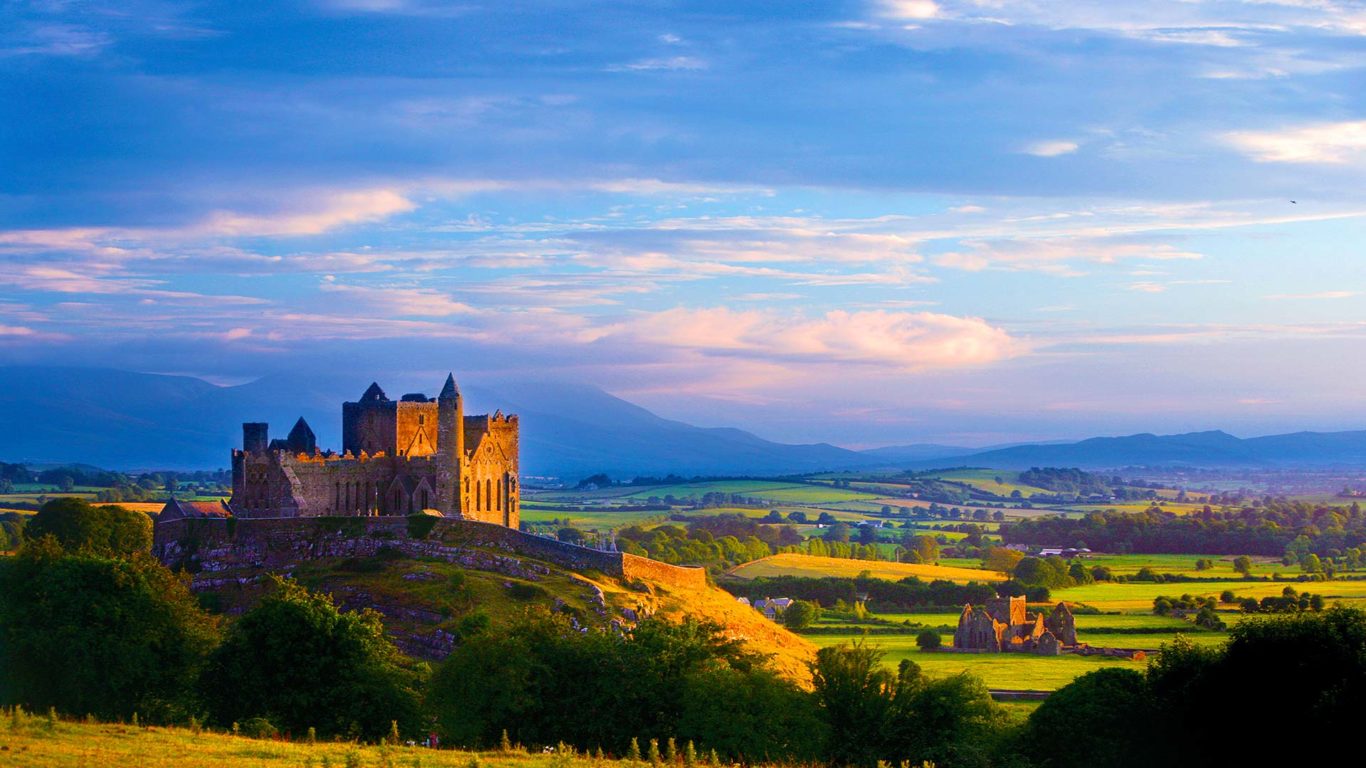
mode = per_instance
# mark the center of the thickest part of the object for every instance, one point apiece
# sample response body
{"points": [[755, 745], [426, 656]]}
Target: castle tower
{"points": [[255, 436], [450, 448], [301, 438]]}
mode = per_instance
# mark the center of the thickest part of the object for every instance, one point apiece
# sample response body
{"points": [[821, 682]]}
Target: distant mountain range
{"points": [[124, 420]]}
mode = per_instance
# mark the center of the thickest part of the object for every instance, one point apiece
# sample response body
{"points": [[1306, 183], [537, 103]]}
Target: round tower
{"points": [[450, 447]]}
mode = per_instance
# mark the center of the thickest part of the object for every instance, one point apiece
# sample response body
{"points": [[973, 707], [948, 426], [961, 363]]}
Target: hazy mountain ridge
{"points": [[124, 420]]}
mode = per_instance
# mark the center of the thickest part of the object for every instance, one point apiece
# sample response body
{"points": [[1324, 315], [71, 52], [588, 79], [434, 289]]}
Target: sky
{"points": [[868, 223]]}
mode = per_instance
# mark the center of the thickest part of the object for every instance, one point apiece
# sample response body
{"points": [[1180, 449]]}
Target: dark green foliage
{"points": [[1069, 481], [1316, 663], [720, 540], [89, 634], [1049, 572], [801, 614], [928, 640], [1273, 527], [80, 527], [544, 682], [1102, 719], [520, 590], [419, 526], [876, 716], [907, 594], [298, 662]]}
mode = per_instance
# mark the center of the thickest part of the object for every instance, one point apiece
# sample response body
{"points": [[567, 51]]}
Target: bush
{"points": [[80, 527], [97, 635], [929, 640], [300, 662], [259, 728]]}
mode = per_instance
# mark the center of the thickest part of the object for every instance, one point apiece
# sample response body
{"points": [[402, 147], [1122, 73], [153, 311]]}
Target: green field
{"points": [[1184, 565], [999, 670], [985, 480], [1138, 596]]}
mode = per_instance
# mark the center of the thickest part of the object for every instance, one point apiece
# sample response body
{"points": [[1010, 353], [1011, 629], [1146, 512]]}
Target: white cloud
{"points": [[1318, 143], [1051, 148], [1314, 296], [390, 301], [670, 63], [910, 9], [332, 211], [901, 340]]}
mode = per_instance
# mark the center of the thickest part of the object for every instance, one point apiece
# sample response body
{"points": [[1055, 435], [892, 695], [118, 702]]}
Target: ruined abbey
{"points": [[1004, 624], [399, 457]]}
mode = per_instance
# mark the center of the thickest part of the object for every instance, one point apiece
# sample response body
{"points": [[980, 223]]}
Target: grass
{"points": [[34, 744], [985, 480], [1138, 596], [998, 670], [1184, 565], [788, 564]]}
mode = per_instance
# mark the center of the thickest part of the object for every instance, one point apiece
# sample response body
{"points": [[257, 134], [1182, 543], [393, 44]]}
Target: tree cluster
{"points": [[1270, 528]]}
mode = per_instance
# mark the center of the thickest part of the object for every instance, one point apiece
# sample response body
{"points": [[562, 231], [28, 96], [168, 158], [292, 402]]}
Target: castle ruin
{"points": [[1005, 624], [399, 457]]}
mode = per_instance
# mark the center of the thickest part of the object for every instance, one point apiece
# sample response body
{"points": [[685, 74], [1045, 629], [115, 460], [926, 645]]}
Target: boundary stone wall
{"points": [[208, 545]]}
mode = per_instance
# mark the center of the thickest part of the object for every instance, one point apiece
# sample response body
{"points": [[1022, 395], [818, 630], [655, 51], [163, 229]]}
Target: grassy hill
{"points": [[32, 742], [790, 564], [425, 601]]}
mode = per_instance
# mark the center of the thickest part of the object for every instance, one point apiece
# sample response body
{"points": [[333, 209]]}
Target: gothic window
{"points": [[488, 493]]}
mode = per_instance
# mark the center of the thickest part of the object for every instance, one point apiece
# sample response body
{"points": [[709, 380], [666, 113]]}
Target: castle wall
{"points": [[491, 492], [415, 426], [370, 427], [210, 546]]}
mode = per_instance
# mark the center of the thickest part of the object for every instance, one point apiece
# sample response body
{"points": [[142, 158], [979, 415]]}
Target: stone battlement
{"points": [[206, 546]]}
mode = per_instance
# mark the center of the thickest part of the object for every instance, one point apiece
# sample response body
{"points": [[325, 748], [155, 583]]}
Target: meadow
{"points": [[33, 742], [1138, 596], [1011, 671], [789, 564]]}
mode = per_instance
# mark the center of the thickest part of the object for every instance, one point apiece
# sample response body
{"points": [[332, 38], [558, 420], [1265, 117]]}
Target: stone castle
{"points": [[399, 457], [1004, 624]]}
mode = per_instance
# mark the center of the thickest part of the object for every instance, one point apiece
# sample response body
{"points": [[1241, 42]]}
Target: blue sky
{"points": [[871, 223]]}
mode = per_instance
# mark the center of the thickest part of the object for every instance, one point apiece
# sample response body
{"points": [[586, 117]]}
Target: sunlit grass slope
{"points": [[789, 564], [37, 744]]}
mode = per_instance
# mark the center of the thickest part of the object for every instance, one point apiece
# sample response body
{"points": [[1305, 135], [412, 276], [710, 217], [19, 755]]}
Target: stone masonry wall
{"points": [[278, 544]]}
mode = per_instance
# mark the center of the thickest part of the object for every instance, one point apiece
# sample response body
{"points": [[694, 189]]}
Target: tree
{"points": [[298, 662], [854, 691], [924, 545], [570, 535], [1103, 718], [1002, 560], [105, 636], [79, 527], [1243, 564], [928, 640], [801, 614], [837, 532]]}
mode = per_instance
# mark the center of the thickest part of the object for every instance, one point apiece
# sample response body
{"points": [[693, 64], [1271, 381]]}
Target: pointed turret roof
{"points": [[373, 394], [449, 391], [301, 430]]}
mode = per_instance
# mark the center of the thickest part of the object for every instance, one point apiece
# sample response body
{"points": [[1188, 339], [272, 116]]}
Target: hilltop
{"points": [[432, 581]]}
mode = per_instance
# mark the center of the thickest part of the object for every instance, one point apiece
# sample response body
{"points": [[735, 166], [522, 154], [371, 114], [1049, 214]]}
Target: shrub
{"points": [[928, 640]]}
